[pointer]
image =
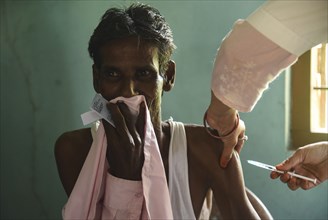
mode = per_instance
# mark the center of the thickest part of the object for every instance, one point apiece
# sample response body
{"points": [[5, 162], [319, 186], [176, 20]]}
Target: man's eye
{"points": [[111, 74], [144, 74]]}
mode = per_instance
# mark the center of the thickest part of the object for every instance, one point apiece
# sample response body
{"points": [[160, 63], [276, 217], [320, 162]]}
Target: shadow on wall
{"points": [[38, 68]]}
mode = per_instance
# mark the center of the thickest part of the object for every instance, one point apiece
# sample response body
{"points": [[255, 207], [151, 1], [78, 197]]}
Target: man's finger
{"points": [[120, 122], [130, 121], [141, 120]]}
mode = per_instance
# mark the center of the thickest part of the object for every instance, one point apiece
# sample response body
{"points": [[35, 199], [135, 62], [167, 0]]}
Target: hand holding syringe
{"points": [[272, 168]]}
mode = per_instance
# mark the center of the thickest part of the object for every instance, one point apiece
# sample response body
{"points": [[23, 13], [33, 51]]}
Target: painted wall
{"points": [[46, 85]]}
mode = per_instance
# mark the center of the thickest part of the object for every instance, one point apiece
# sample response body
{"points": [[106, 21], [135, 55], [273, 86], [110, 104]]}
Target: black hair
{"points": [[138, 20]]}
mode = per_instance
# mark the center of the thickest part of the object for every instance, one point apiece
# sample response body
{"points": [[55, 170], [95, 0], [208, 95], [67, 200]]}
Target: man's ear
{"points": [[169, 76], [96, 80]]}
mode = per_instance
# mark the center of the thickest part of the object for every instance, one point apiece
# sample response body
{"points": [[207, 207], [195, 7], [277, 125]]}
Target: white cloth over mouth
{"points": [[85, 201]]}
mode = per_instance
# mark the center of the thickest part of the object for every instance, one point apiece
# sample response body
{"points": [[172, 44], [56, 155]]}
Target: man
{"points": [[131, 50]]}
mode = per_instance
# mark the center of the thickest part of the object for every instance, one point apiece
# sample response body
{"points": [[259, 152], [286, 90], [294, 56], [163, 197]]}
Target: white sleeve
{"points": [[245, 64], [295, 25], [257, 49]]}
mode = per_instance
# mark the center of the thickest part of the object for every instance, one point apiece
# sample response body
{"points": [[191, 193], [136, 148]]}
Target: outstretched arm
{"points": [[254, 53]]}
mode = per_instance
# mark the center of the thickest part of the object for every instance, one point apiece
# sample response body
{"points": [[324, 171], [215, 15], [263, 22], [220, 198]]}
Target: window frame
{"points": [[301, 104]]}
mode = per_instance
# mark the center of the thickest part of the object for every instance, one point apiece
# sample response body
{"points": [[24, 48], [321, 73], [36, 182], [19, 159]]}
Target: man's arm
{"points": [[230, 192], [71, 150], [232, 198], [260, 208]]}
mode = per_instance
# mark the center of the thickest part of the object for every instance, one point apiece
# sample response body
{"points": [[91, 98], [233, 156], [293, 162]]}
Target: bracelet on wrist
{"points": [[206, 126]]}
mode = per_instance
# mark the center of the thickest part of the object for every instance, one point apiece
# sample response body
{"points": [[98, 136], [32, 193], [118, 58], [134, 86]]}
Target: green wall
{"points": [[46, 85]]}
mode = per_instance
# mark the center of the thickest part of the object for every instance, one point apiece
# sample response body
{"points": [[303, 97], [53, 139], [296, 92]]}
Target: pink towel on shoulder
{"points": [[86, 197]]}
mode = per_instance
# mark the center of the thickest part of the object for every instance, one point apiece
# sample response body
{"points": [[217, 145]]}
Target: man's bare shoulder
{"points": [[74, 141], [202, 147], [73, 145], [71, 150], [197, 135]]}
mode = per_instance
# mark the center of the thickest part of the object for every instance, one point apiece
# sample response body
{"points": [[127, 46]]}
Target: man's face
{"points": [[129, 67]]}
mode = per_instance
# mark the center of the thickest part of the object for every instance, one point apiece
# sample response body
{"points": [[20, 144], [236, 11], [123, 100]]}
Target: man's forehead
{"points": [[130, 50], [129, 47], [130, 44]]}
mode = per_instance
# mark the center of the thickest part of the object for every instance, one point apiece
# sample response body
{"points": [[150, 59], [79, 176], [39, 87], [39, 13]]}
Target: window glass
{"points": [[319, 97]]}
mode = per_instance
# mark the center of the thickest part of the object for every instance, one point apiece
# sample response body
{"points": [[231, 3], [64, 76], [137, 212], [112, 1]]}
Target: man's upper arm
{"points": [[230, 191], [69, 158]]}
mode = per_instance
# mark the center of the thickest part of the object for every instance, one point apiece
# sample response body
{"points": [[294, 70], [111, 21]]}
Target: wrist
{"points": [[220, 116], [218, 108], [225, 134]]}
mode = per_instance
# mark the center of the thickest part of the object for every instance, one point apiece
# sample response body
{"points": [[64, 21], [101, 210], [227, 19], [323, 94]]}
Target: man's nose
{"points": [[129, 88]]}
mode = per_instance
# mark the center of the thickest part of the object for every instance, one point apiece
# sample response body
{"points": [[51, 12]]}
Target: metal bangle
{"points": [[220, 137]]}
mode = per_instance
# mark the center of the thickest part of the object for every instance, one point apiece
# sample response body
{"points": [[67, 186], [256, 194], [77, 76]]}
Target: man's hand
{"points": [[310, 160], [126, 141]]}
